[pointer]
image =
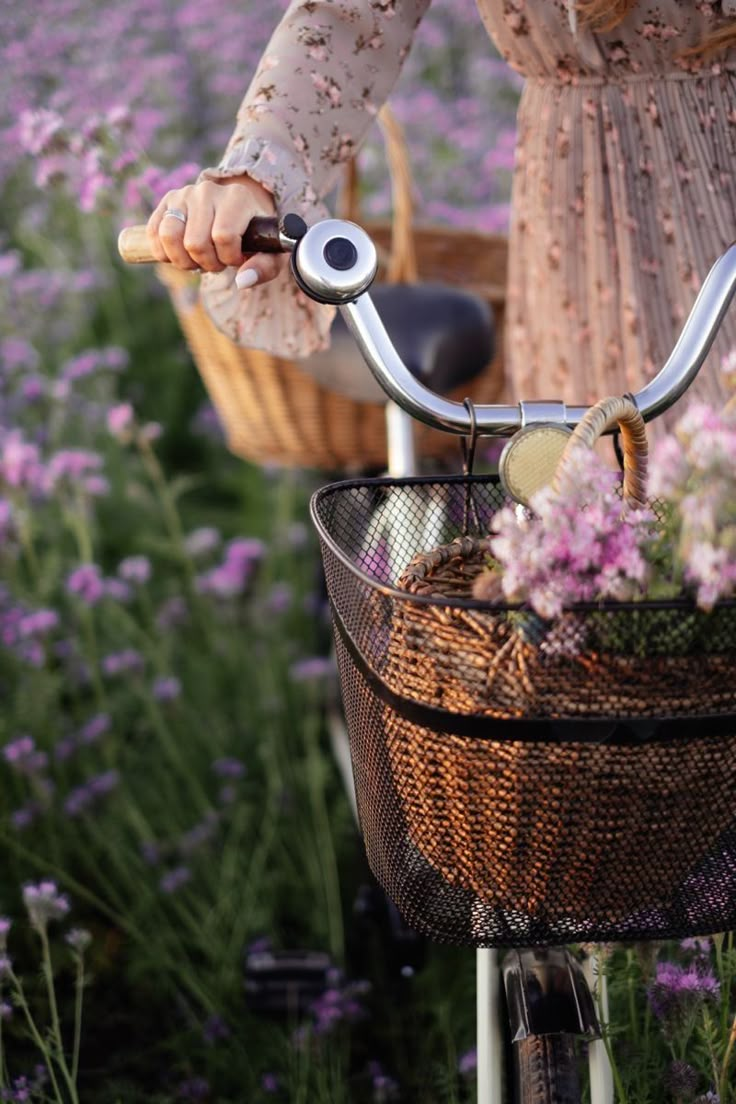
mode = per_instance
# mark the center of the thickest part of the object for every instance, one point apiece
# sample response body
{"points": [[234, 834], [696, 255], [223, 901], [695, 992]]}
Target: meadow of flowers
{"points": [[170, 805]]}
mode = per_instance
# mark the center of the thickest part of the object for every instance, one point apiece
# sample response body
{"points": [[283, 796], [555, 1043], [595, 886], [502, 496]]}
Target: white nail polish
{"points": [[247, 278]]}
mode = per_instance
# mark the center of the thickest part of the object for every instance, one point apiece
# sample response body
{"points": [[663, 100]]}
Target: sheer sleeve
{"points": [[324, 75]]}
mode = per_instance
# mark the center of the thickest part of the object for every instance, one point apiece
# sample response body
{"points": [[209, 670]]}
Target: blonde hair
{"points": [[605, 15]]}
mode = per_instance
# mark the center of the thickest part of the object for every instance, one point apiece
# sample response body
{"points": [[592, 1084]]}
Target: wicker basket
{"points": [[273, 411], [547, 829]]}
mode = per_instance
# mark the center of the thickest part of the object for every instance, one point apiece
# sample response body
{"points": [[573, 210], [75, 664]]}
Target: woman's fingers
{"points": [[259, 269], [201, 227], [197, 239], [166, 229]]}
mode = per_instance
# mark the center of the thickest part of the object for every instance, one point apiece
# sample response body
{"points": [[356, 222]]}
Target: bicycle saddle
{"points": [[444, 335]]}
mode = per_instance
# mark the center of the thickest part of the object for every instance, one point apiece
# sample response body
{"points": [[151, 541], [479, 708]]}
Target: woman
{"points": [[623, 195]]}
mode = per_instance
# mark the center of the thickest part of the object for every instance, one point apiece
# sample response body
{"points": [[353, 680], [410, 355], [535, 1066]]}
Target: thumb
{"points": [[259, 269]]}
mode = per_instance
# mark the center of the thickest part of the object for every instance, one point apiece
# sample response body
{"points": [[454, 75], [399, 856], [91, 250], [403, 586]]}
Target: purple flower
{"points": [[120, 421], [201, 541], [23, 755], [384, 1087], [245, 550], [44, 903], [79, 800], [71, 466], [117, 591], [166, 688], [20, 463], [151, 852], [270, 1083], [574, 545], [338, 1006], [172, 613], [228, 767], [96, 486], [79, 939], [279, 598], [128, 661], [174, 879], [699, 946], [93, 360], [215, 1029], [25, 816], [468, 1062], [40, 130], [17, 353], [135, 569], [94, 728], [677, 989], [311, 669], [39, 623], [87, 584], [200, 834], [64, 749], [150, 432], [231, 577]]}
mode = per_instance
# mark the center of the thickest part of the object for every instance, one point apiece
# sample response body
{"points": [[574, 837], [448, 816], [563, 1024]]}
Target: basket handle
{"points": [[401, 266], [603, 416]]}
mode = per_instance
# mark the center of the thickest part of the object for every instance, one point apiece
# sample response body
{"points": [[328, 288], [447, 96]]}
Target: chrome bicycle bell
{"points": [[335, 261]]}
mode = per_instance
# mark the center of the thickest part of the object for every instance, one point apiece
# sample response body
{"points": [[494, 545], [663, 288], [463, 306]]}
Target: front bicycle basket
{"points": [[521, 781]]}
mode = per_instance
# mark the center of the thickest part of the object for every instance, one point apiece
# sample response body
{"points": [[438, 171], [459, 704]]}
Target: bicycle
{"points": [[549, 999]]}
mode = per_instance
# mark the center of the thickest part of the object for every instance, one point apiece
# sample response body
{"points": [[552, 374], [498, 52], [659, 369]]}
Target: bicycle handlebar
{"points": [[264, 235], [335, 262]]}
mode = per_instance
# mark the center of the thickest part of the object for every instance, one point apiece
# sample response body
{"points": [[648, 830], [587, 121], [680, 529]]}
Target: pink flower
{"points": [[120, 420], [575, 545], [87, 584]]}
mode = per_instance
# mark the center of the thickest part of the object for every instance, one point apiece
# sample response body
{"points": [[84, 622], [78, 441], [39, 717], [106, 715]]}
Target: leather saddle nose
{"points": [[444, 335]]}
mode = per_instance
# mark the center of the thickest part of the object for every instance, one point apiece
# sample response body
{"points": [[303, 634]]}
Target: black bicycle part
{"points": [[546, 1070], [547, 994]]}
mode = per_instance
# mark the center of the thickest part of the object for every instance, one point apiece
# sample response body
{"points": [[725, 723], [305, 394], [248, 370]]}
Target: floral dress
{"points": [[624, 188]]}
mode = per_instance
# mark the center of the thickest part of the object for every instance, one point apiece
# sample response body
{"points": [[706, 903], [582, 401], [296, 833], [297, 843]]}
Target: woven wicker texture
{"points": [[273, 411], [571, 810]]}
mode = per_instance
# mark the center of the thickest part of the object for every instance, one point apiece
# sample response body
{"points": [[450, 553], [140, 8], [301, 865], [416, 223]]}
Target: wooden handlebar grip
{"points": [[134, 246], [262, 236]]}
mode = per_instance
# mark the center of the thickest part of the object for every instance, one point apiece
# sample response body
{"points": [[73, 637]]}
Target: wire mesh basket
{"points": [[521, 781]]}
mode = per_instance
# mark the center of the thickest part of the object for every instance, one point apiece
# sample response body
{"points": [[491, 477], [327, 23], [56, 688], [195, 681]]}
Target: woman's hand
{"points": [[208, 236]]}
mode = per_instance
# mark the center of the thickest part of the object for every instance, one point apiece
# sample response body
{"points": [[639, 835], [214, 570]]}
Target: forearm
{"points": [[327, 70]]}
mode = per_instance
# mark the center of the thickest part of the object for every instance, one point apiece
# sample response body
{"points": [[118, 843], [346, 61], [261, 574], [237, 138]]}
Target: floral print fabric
{"points": [[623, 193]]}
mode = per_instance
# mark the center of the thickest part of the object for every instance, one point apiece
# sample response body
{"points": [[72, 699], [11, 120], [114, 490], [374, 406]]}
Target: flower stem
{"points": [[48, 974], [723, 1084], [78, 992], [321, 821], [20, 1000]]}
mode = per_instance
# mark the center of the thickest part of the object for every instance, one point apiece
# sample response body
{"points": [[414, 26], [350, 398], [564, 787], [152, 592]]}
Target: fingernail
{"points": [[247, 278]]}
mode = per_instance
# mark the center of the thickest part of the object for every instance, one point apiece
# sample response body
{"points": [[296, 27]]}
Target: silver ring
{"points": [[175, 212]]}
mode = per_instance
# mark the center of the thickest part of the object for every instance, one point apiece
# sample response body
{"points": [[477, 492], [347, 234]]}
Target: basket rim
{"points": [[344, 485], [615, 730]]}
